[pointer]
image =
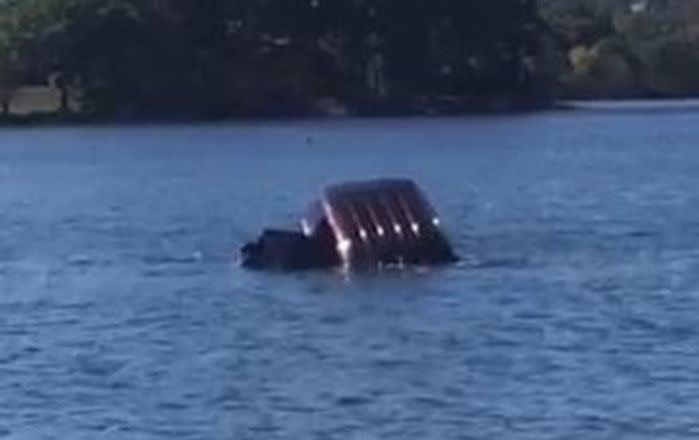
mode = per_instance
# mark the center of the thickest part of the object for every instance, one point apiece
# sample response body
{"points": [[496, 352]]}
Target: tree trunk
{"points": [[5, 105], [64, 100]]}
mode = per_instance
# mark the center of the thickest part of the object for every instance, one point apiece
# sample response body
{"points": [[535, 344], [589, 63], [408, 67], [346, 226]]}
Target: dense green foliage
{"points": [[211, 58], [627, 48], [143, 58]]}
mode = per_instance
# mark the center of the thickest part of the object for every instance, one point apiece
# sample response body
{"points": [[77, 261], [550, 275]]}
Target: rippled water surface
{"points": [[123, 314]]}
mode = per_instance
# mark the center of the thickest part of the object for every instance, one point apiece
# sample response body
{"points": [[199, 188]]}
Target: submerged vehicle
{"points": [[354, 225]]}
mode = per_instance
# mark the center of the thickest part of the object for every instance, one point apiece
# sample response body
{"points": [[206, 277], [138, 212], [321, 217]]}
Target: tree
{"points": [[144, 58], [10, 62]]}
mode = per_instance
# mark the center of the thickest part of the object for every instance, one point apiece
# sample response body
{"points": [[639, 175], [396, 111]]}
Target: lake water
{"points": [[124, 314]]}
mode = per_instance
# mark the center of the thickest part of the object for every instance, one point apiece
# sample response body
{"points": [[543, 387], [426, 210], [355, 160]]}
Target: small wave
{"points": [[97, 366], [170, 272], [390, 363], [173, 406], [611, 233], [352, 400], [178, 231], [430, 401], [602, 285], [334, 320], [640, 234], [193, 258], [496, 263], [82, 261], [10, 358]]}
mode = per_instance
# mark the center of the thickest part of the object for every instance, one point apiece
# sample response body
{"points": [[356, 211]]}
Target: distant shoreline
{"points": [[573, 105], [389, 108]]}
